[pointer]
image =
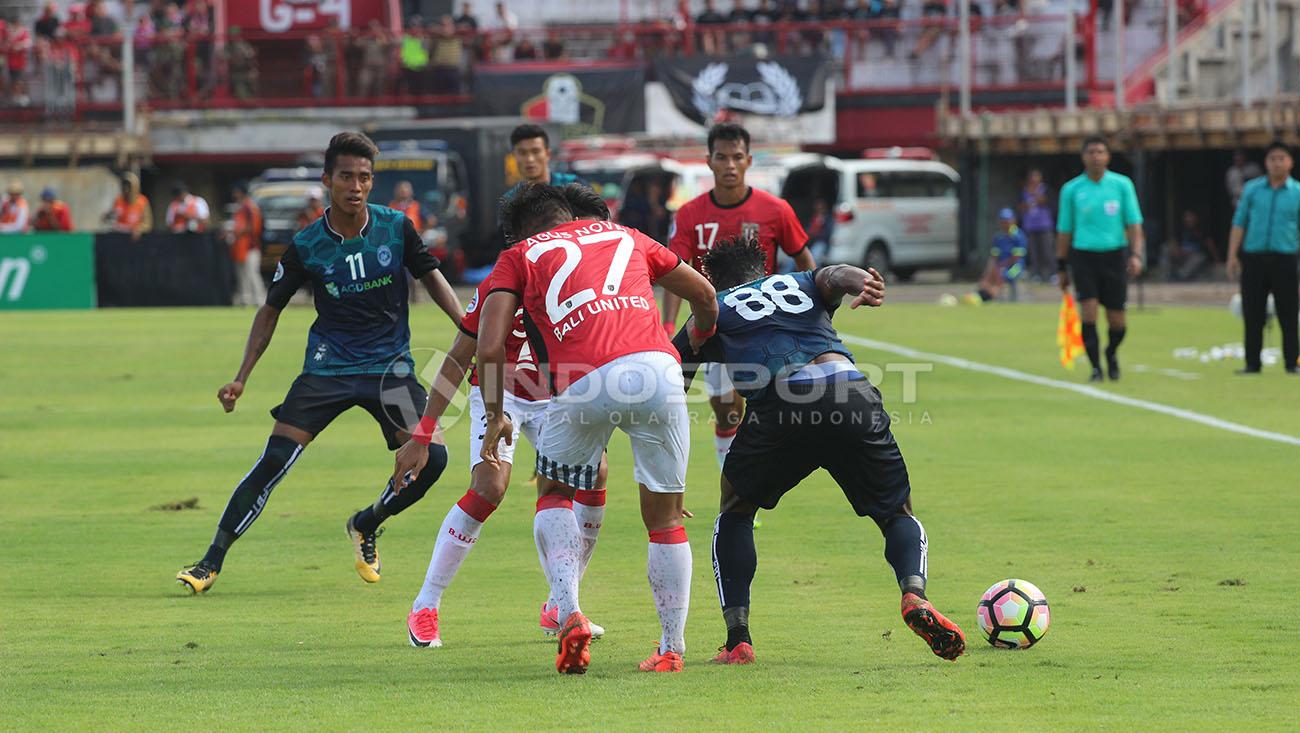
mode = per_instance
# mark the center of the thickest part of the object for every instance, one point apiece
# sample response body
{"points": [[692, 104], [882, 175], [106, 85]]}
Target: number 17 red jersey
{"points": [[701, 222], [588, 288]]}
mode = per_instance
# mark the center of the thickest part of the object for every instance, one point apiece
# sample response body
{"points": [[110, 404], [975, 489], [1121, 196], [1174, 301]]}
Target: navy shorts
{"points": [[845, 430], [315, 400]]}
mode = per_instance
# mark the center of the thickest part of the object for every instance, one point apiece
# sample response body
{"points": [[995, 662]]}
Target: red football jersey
{"points": [[588, 287], [701, 222], [523, 379]]}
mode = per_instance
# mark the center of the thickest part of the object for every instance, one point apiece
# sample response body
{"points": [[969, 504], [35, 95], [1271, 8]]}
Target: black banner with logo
{"points": [[163, 269], [582, 100], [781, 86]]}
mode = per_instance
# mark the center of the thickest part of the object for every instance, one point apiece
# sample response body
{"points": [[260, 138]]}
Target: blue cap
{"points": [[48, 193], [1007, 214]]}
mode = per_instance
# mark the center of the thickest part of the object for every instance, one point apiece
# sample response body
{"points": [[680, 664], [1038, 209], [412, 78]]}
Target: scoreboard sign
{"points": [[281, 16]]}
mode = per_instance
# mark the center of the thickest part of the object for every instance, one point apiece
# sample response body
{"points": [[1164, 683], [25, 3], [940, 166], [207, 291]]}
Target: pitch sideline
{"points": [[1082, 389]]}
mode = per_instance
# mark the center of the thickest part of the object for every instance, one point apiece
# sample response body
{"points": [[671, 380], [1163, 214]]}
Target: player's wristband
{"points": [[699, 335], [670, 329], [1061, 264], [424, 431]]}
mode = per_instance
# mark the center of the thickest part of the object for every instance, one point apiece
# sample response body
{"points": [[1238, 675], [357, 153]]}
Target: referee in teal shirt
{"points": [[1100, 244], [1262, 249]]}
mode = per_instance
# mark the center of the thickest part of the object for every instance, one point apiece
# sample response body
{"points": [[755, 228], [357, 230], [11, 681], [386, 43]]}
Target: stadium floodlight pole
{"points": [[1071, 75], [1270, 37], [128, 68], [1171, 63], [1120, 102], [965, 56]]}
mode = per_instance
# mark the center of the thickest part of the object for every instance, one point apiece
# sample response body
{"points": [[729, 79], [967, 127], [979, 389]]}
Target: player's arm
{"points": [[679, 243], [1137, 240], [411, 457], [443, 294], [423, 266], [687, 284], [803, 260], [710, 352], [495, 323], [1064, 237], [866, 286], [289, 276], [794, 239]]}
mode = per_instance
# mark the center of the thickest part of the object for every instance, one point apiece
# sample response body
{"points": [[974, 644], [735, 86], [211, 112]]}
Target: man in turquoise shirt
{"points": [[1262, 250], [1099, 236]]}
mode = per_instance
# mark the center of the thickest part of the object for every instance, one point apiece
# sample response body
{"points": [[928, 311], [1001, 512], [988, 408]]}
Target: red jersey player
{"points": [[731, 209], [525, 402], [588, 287]]}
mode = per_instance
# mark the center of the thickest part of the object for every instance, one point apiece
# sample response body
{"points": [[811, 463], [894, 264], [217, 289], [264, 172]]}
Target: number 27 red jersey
{"points": [[588, 288]]}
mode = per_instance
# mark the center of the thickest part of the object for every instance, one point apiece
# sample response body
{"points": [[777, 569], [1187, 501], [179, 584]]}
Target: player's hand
{"points": [[1063, 279], [1134, 266], [1234, 267], [873, 290], [408, 463], [229, 393], [497, 429], [690, 335], [687, 513]]}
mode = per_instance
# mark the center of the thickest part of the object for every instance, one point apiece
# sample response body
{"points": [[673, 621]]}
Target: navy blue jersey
{"points": [[360, 291], [772, 327]]}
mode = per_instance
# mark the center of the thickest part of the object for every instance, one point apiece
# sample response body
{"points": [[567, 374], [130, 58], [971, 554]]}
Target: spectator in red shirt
{"points": [[53, 215], [17, 45]]}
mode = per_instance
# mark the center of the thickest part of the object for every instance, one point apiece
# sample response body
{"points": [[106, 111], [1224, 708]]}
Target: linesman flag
{"points": [[1069, 332]]}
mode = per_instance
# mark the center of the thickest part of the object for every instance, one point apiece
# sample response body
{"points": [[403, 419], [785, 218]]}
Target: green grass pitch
{"points": [[1130, 522]]}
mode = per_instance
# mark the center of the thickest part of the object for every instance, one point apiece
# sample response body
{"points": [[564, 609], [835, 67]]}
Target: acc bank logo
{"points": [[14, 272]]}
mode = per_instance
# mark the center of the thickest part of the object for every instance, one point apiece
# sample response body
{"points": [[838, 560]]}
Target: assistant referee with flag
{"points": [[1265, 232], [1099, 242]]}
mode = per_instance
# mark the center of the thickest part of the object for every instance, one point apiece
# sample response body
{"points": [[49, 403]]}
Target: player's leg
{"points": [[728, 408], [735, 560], [589, 512], [649, 388], [460, 528], [864, 459], [396, 403], [311, 403], [1113, 296], [1083, 270]]}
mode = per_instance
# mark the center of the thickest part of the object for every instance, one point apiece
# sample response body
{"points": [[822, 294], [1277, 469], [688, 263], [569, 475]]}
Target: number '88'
{"points": [[778, 291]]}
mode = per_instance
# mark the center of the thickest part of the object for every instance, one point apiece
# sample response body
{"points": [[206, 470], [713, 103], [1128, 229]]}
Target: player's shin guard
{"points": [[734, 563], [456, 538], [905, 550], [668, 566], [392, 502], [589, 511], [559, 545], [250, 495], [1091, 344]]}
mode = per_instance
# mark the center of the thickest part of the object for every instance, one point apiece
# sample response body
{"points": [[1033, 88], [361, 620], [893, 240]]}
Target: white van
{"points": [[896, 215]]}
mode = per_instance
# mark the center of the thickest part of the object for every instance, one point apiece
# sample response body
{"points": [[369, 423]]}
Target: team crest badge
{"points": [[385, 256], [749, 229], [332, 289]]}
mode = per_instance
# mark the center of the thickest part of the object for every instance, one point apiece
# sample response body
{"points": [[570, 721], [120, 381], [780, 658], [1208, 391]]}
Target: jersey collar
{"points": [[325, 218], [749, 191]]}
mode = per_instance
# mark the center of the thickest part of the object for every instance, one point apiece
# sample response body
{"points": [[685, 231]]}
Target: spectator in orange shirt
{"points": [[313, 211], [186, 212], [404, 201], [14, 210], [130, 213], [53, 215], [246, 248]]}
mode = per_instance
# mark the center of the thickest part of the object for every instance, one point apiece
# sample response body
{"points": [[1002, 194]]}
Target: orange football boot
{"points": [[742, 654], [945, 638], [575, 641]]}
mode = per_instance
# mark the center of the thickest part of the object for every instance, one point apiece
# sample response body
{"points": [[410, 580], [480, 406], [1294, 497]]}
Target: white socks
{"points": [[589, 510], [456, 538], [722, 442], [559, 547], [668, 566]]}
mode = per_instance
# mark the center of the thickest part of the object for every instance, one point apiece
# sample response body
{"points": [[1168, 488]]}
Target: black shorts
{"points": [[1102, 276], [844, 430], [314, 401]]}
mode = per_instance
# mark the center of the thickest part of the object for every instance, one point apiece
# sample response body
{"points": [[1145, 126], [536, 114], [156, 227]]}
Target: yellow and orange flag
{"points": [[1069, 332]]}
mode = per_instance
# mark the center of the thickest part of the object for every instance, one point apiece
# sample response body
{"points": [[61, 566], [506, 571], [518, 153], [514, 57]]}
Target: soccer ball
{"points": [[1013, 614]]}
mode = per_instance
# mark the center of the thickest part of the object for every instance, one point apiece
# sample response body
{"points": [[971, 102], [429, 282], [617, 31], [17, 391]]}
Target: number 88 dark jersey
{"points": [[772, 327]]}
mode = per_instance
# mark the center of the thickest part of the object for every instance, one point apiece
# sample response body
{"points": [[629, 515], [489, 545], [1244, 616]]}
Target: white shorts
{"points": [[526, 416], [642, 394], [717, 382]]}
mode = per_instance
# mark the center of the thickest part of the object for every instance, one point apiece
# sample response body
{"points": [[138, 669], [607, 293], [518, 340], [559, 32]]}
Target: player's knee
{"points": [[430, 473], [489, 483]]}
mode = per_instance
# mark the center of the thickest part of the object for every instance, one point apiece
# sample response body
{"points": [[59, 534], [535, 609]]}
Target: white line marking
{"points": [[1175, 373], [1082, 389]]}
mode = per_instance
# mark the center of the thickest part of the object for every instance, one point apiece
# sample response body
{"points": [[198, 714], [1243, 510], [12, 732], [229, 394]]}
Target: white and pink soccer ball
{"points": [[1013, 614]]}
